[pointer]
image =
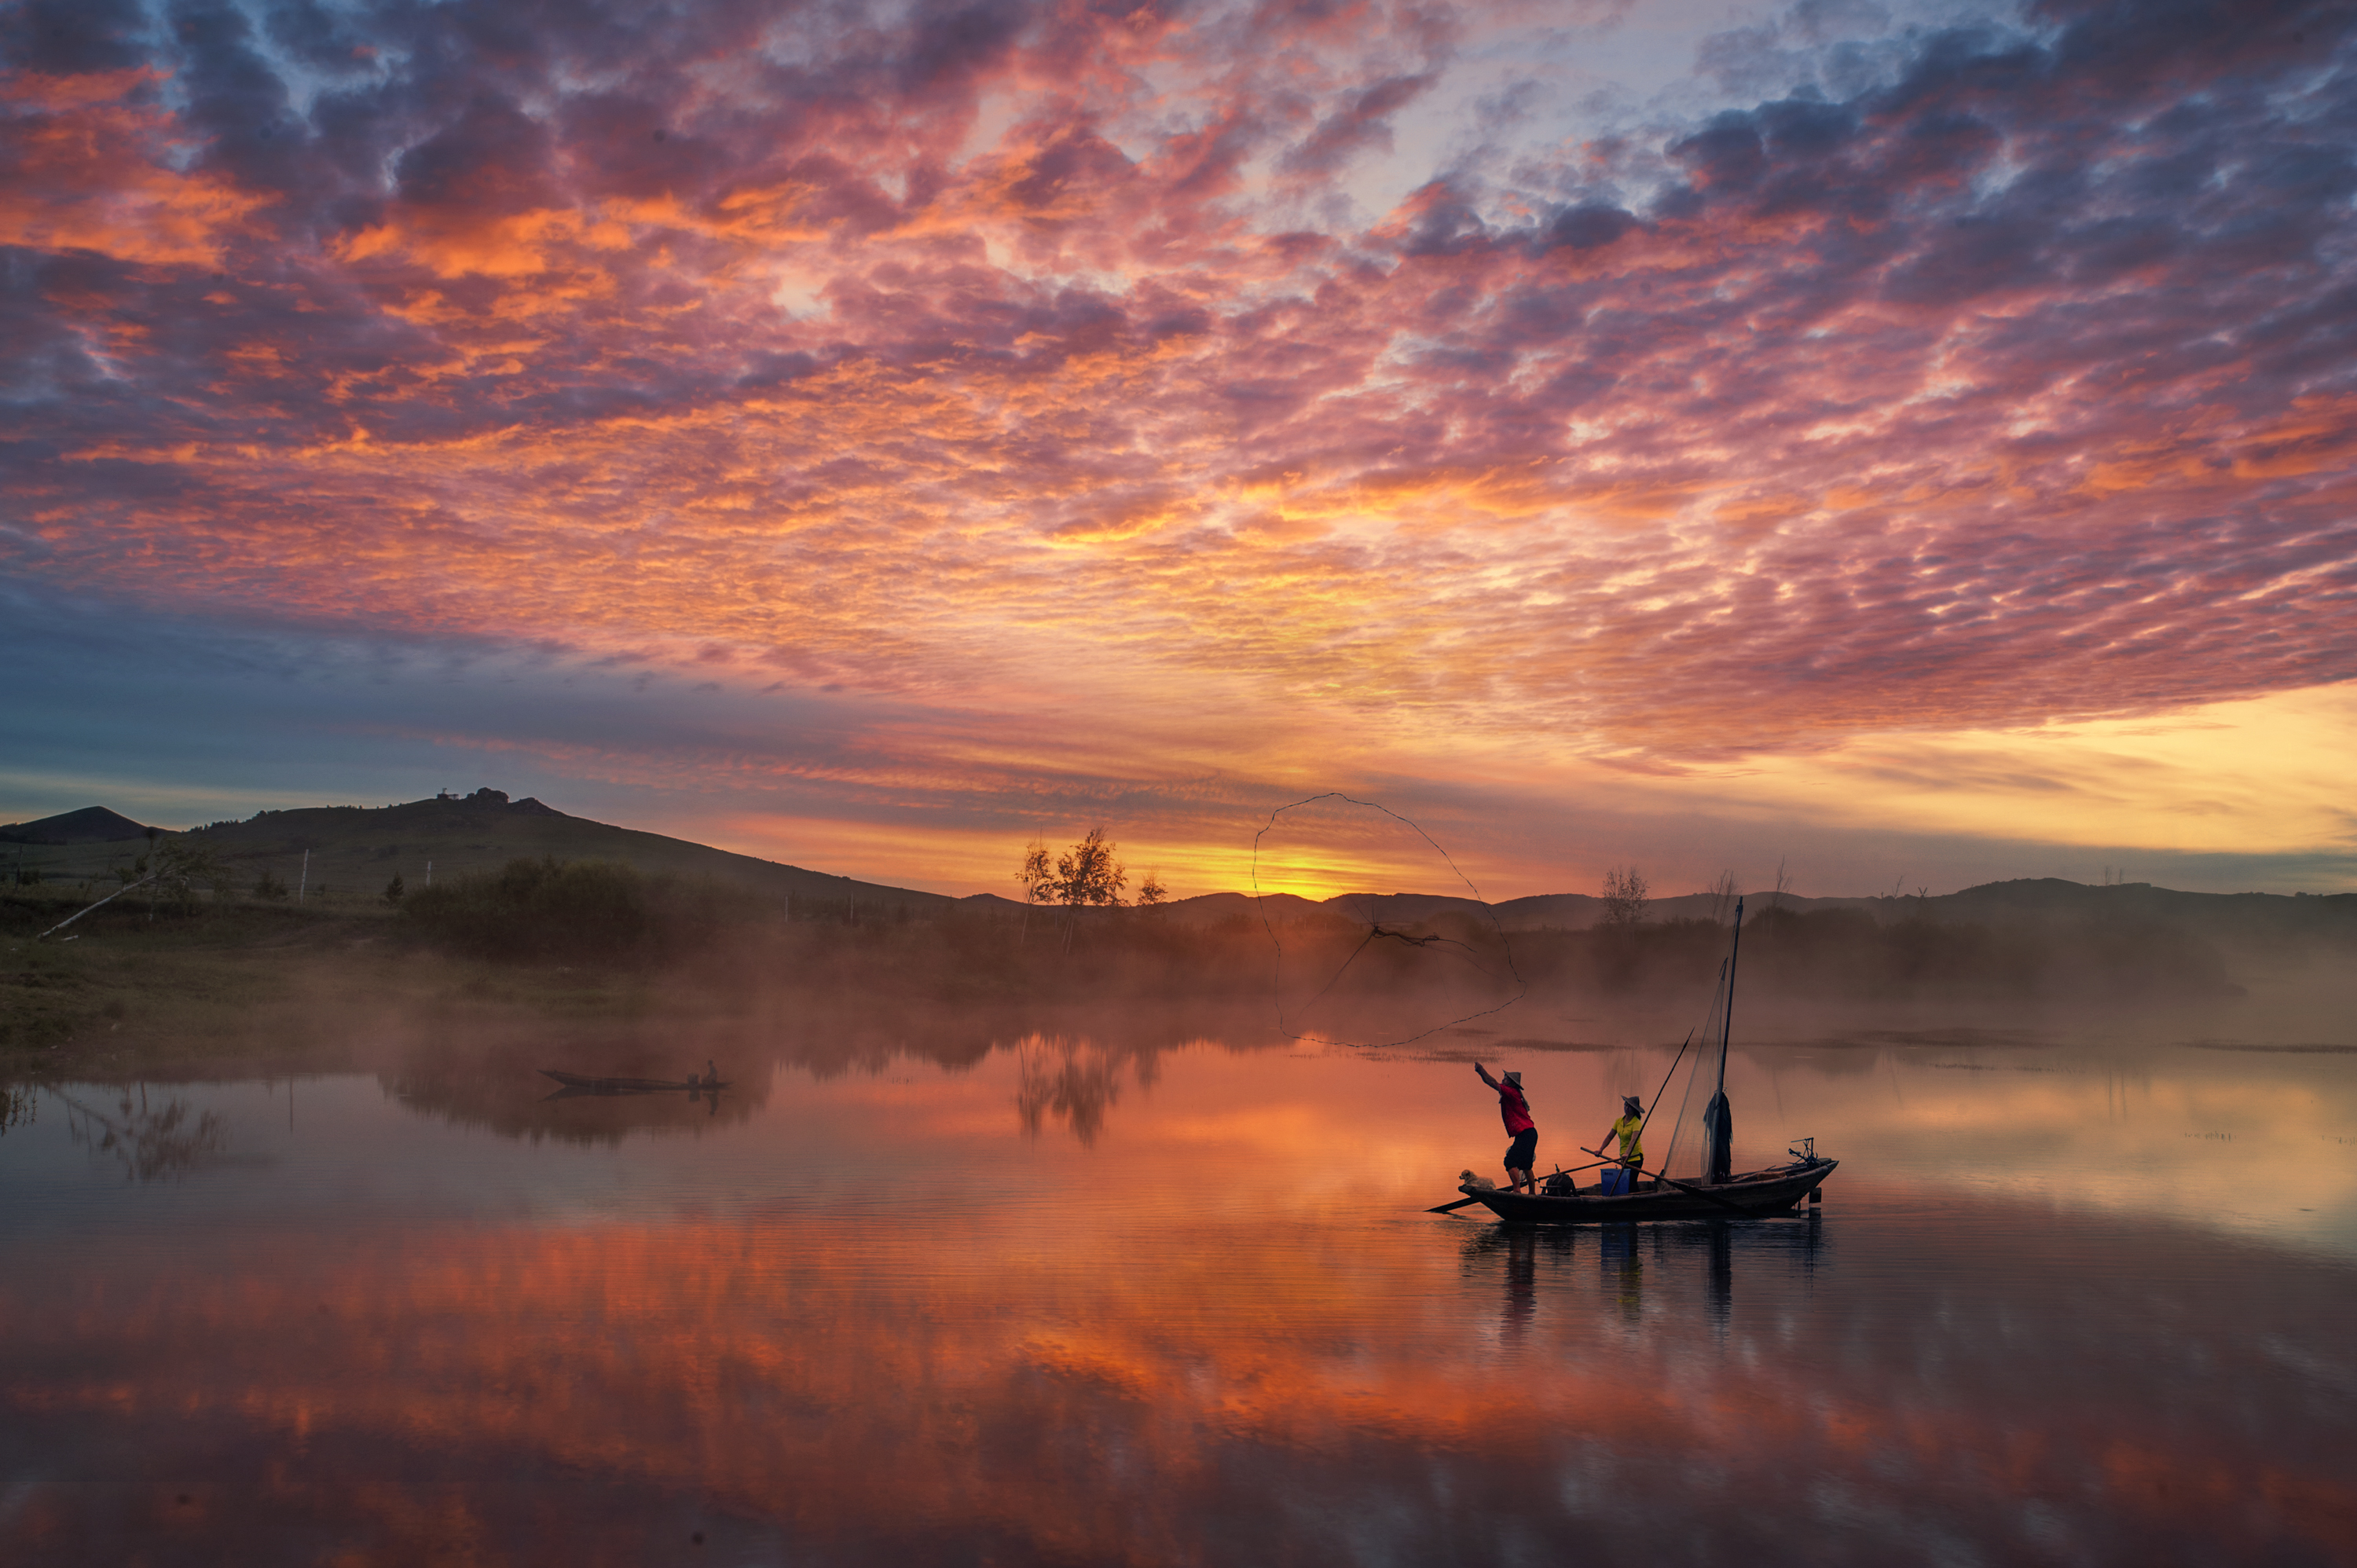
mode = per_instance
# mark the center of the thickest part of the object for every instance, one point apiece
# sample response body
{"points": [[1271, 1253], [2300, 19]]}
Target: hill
{"points": [[2239, 919], [356, 850], [91, 824]]}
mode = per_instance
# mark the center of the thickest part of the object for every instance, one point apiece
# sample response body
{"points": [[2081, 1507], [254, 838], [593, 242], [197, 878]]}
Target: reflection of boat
{"points": [[1718, 1194], [585, 1084]]}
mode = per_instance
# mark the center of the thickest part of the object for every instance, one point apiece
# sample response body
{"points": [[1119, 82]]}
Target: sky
{"points": [[1909, 444]]}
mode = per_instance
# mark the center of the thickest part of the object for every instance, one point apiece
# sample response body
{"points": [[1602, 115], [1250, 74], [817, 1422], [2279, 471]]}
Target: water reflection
{"points": [[1225, 1394], [1722, 1268], [1693, 1265], [1073, 1063], [1075, 1082], [1051, 1316], [495, 1082], [151, 1143]]}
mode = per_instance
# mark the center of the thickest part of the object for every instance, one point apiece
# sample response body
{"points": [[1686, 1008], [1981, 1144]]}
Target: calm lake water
{"points": [[1060, 1300]]}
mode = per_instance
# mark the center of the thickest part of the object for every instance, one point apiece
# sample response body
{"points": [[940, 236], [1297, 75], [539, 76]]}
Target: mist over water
{"points": [[1141, 1285]]}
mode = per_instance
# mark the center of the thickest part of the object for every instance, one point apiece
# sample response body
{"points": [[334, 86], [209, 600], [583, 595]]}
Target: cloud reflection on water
{"points": [[1087, 1387], [870, 1322]]}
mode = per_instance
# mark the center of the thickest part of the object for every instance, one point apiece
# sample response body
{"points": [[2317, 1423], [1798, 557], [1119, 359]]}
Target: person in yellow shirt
{"points": [[1627, 1130]]}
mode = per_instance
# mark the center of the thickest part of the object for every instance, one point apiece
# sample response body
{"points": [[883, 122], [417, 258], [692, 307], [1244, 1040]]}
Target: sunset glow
{"points": [[1916, 440]]}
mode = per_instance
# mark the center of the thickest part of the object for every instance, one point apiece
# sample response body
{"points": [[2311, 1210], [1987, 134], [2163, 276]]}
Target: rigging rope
{"points": [[1686, 1100], [1467, 953]]}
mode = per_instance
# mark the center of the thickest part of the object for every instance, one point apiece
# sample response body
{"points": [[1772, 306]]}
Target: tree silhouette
{"points": [[1088, 874], [1038, 880], [1624, 897]]}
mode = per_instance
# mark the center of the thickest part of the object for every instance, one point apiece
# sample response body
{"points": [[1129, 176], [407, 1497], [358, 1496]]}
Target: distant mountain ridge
{"points": [[2253, 916], [91, 824], [359, 849]]}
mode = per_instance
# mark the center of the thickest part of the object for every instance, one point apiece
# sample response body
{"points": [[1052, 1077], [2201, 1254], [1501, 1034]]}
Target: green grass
{"points": [[125, 978], [237, 983]]}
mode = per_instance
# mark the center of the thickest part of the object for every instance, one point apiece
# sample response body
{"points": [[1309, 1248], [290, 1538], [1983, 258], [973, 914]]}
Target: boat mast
{"points": [[1718, 1123]]}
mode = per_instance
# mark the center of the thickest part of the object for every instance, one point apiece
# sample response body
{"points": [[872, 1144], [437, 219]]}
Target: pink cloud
{"points": [[2014, 386]]}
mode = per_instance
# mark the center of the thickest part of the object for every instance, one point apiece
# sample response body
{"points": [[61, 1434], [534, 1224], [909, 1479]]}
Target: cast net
{"points": [[1365, 951]]}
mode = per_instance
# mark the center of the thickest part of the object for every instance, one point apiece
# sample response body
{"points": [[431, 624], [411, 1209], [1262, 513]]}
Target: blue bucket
{"points": [[1618, 1181]]}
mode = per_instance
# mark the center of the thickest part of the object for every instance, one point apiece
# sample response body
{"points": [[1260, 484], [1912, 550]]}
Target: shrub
{"points": [[586, 910]]}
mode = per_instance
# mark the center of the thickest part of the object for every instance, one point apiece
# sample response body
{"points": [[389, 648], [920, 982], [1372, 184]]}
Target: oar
{"points": [[1453, 1207], [1682, 1187]]}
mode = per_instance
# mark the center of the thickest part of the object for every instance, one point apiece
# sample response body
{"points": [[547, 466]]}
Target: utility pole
{"points": [[303, 879]]}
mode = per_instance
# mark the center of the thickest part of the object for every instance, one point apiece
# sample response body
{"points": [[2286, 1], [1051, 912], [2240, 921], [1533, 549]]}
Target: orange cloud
{"points": [[90, 168], [1054, 369]]}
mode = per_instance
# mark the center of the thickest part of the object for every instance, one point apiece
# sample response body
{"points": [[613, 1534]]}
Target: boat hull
{"points": [[1750, 1193], [583, 1083]]}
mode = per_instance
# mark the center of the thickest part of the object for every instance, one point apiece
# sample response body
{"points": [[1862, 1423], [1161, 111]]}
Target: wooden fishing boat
{"points": [[1718, 1193], [1744, 1196], [588, 1085]]}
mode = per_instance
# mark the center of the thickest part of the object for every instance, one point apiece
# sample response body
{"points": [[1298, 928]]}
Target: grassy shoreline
{"points": [[247, 987]]}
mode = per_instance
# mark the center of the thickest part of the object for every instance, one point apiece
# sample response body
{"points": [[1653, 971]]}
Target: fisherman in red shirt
{"points": [[1523, 1152]]}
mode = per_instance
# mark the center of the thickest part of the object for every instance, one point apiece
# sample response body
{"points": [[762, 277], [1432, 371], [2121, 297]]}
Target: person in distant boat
{"points": [[1515, 1111], [1628, 1129]]}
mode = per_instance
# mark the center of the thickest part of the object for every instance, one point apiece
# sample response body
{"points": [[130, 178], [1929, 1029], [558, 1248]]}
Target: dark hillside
{"points": [[356, 850], [2236, 919], [91, 824], [2239, 919]]}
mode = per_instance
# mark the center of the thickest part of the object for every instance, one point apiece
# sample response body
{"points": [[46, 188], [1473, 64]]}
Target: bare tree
{"points": [[178, 867], [1784, 883], [1624, 897], [1038, 880], [1037, 877], [1722, 897], [1037, 883]]}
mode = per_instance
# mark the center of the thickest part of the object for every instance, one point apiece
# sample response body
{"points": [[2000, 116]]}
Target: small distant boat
{"points": [[1718, 1193], [585, 1084]]}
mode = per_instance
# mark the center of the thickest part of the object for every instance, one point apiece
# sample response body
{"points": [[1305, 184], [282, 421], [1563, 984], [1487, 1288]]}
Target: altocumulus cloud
{"points": [[996, 355]]}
